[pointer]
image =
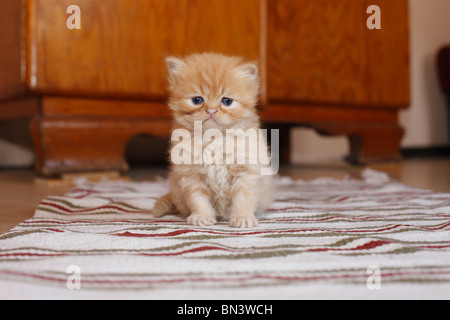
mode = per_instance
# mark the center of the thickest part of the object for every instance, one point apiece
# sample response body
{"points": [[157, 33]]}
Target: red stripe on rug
{"points": [[60, 207], [366, 246]]}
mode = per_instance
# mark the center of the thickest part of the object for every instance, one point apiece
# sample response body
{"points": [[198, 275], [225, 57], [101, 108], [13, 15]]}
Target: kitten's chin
{"points": [[211, 124]]}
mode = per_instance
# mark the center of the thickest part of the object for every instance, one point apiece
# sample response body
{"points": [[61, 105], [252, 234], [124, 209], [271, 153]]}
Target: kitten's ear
{"points": [[174, 66], [249, 70]]}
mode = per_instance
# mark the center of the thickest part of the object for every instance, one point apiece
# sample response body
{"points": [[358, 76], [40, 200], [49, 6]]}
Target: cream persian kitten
{"points": [[213, 91]]}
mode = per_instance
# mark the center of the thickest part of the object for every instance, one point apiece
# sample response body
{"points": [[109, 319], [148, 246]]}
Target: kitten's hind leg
{"points": [[163, 206]]}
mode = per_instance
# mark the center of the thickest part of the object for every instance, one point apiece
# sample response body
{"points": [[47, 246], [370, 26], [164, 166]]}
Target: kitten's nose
{"points": [[211, 111]]}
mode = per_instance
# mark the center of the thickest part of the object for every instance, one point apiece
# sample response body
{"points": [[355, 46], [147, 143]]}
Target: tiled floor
{"points": [[19, 194]]}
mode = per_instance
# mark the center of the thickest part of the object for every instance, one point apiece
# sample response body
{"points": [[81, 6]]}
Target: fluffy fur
{"points": [[207, 192]]}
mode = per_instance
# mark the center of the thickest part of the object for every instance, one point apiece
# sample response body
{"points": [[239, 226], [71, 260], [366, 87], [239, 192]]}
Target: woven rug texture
{"points": [[331, 239]]}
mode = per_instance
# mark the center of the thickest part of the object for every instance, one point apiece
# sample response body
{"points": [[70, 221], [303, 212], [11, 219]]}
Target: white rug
{"points": [[325, 239]]}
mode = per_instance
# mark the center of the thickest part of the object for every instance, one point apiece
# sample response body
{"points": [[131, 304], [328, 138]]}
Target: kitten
{"points": [[216, 92]]}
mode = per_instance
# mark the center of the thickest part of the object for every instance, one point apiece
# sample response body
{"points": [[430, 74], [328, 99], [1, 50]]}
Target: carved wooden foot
{"points": [[369, 142], [88, 143]]}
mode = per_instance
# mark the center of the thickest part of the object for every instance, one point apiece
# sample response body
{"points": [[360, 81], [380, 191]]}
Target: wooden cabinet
{"points": [[327, 70], [106, 82], [322, 52], [120, 48]]}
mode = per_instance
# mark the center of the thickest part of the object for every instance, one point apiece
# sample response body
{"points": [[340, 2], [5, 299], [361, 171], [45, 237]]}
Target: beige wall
{"points": [[426, 121]]}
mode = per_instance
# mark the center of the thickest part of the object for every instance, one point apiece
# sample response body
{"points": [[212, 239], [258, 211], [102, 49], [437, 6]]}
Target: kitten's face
{"points": [[217, 90]]}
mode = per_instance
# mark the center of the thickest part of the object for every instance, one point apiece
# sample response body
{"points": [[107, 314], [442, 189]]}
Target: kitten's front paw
{"points": [[201, 220], [243, 222]]}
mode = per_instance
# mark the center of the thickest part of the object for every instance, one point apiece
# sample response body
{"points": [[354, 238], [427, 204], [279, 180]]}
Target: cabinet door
{"points": [[120, 48], [322, 52]]}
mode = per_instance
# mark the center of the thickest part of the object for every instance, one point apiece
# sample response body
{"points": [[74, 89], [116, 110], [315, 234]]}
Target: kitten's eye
{"points": [[227, 102], [197, 100]]}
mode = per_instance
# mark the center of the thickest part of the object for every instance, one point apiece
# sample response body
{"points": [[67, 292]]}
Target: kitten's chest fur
{"points": [[219, 165], [218, 178]]}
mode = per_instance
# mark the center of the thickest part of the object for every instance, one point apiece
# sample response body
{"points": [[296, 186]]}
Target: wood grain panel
{"points": [[19, 108], [120, 48], [76, 107], [11, 54], [312, 114], [322, 52], [387, 52], [316, 51]]}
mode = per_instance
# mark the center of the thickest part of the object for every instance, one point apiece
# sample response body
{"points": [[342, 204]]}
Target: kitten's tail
{"points": [[163, 206]]}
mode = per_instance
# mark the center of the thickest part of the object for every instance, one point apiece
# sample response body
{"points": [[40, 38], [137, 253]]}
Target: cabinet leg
{"points": [[285, 144], [374, 144], [87, 144], [35, 131], [368, 143], [284, 135]]}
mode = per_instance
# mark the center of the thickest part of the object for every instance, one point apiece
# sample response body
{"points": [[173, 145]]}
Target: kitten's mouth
{"points": [[210, 118]]}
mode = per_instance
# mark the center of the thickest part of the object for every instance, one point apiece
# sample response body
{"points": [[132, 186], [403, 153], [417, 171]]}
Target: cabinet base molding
{"points": [[88, 144]]}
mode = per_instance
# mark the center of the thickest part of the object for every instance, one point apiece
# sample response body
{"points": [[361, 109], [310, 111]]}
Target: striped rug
{"points": [[332, 239]]}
